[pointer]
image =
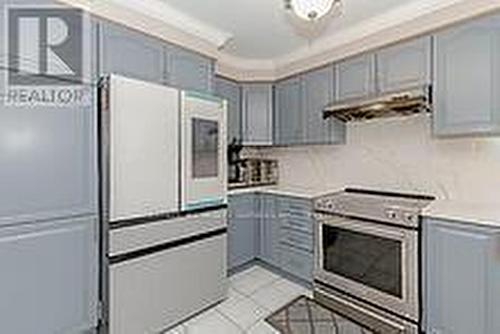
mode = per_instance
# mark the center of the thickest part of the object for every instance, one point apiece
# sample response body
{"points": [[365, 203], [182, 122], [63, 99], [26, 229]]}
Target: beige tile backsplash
{"points": [[398, 154]]}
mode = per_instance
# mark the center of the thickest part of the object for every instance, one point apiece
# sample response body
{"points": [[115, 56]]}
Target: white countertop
{"points": [[293, 191], [487, 214]]}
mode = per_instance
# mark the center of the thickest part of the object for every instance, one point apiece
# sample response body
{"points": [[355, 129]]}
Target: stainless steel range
{"points": [[367, 257]]}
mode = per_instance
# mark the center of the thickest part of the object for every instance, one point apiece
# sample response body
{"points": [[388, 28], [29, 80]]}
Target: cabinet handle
{"points": [[497, 248]]}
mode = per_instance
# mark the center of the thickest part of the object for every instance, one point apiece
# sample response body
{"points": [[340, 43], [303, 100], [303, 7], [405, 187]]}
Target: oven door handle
{"points": [[366, 226]]}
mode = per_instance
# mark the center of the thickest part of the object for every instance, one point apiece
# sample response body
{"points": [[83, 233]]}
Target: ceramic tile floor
{"points": [[253, 295]]}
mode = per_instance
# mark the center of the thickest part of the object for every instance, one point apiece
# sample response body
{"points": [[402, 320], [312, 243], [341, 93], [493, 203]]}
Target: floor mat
{"points": [[305, 316]]}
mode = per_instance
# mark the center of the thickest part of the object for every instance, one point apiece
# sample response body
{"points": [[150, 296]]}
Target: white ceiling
{"points": [[262, 29]]}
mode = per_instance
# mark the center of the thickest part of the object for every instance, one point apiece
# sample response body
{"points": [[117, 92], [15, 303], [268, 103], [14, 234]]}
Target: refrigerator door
{"points": [[204, 154], [49, 277], [144, 149]]}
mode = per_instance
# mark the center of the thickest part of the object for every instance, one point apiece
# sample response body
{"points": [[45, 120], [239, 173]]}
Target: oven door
{"points": [[374, 262], [204, 154]]}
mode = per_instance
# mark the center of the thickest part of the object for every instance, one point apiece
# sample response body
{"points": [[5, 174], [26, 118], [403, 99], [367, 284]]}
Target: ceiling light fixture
{"points": [[312, 10]]}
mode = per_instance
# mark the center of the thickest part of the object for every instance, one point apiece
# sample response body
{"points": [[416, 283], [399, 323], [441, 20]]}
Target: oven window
{"points": [[371, 260], [205, 148]]}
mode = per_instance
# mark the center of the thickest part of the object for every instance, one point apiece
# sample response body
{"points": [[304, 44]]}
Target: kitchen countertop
{"points": [[292, 191], [487, 214]]}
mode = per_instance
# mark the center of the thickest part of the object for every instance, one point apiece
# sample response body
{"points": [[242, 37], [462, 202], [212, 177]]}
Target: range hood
{"points": [[400, 103]]}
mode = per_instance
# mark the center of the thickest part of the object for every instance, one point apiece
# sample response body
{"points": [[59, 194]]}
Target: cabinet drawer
{"points": [[297, 263], [297, 239], [304, 224]]}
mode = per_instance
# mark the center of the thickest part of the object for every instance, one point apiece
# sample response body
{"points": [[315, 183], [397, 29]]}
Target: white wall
{"points": [[397, 154]]}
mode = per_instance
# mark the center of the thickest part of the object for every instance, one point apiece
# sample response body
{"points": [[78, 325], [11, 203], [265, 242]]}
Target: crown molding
{"points": [[146, 21], [399, 24]]}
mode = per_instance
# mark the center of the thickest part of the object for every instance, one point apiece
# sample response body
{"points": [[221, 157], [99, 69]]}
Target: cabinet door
{"points": [[289, 112], [47, 163], [230, 91], [241, 230], [257, 114], [189, 71], [49, 277], [462, 278], [405, 65], [356, 77], [467, 60], [269, 231], [131, 54], [319, 92]]}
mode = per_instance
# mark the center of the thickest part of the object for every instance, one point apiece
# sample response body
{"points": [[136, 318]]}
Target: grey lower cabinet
{"points": [[189, 71], [289, 115], [269, 231], [257, 114], [318, 92], [405, 65], [50, 276], [355, 77], [279, 232], [131, 53], [231, 91], [296, 237], [462, 278], [243, 222], [467, 79]]}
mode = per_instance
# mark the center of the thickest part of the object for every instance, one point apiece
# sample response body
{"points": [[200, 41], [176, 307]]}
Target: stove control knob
{"points": [[411, 218], [391, 214]]}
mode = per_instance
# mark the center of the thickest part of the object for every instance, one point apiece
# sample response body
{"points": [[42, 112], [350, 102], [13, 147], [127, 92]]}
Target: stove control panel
{"points": [[402, 211]]}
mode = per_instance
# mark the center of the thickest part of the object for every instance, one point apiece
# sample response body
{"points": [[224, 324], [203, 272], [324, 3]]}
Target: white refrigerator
{"points": [[163, 204]]}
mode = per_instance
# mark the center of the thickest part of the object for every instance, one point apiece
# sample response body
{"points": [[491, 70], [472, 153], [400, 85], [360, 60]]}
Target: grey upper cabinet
{"points": [[131, 54], [289, 115], [355, 77], [190, 71], [47, 163], [467, 67], [462, 278], [231, 91], [318, 90], [257, 114], [405, 65]]}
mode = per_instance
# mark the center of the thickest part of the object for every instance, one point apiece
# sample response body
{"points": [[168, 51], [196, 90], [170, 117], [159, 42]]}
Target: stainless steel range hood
{"points": [[401, 103]]}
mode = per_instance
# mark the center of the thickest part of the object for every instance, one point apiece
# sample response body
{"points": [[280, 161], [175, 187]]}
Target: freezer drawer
{"points": [[133, 238], [49, 277], [151, 293]]}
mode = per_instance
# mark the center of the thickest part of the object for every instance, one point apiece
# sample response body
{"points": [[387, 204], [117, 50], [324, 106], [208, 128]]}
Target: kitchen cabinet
{"points": [[318, 92], [47, 163], [50, 276], [462, 278], [296, 237], [269, 231], [355, 77], [188, 70], [242, 229], [231, 91], [405, 65], [467, 67], [277, 230], [131, 54], [289, 112], [257, 114]]}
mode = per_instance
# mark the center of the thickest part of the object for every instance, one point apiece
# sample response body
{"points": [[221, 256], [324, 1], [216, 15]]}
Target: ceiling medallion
{"points": [[312, 10]]}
